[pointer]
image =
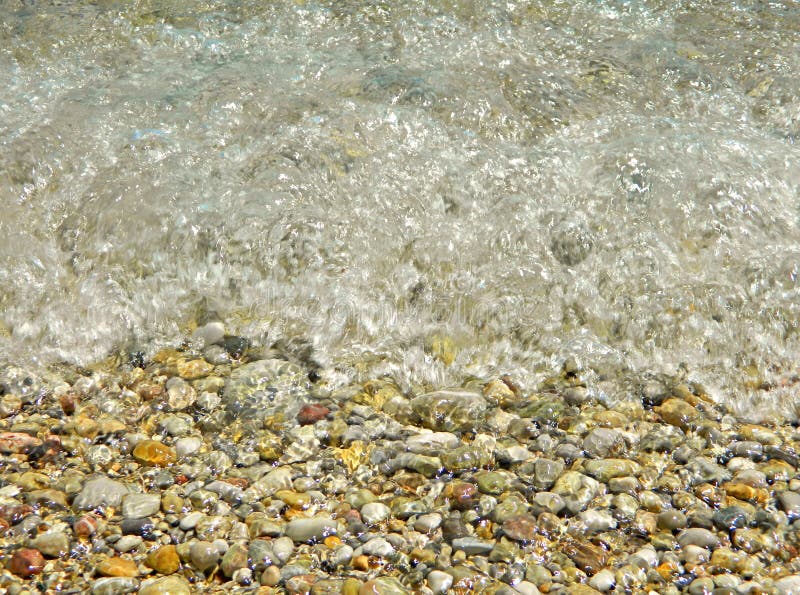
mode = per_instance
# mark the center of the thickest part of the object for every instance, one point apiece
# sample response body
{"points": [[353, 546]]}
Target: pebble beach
{"points": [[223, 467]]}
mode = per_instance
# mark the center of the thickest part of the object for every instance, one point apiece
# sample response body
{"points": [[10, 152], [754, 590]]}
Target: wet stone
{"points": [[699, 537], [730, 518], [671, 520], [26, 562], [603, 442], [790, 503], [520, 528], [52, 544], [546, 471], [449, 410], [170, 585], [432, 443], [100, 492], [235, 558], [375, 512], [117, 567], [472, 546], [164, 560], [311, 529], [154, 453], [140, 505]]}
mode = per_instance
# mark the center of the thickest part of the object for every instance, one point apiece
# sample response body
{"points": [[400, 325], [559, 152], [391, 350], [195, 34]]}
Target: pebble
{"points": [[26, 562], [432, 443], [169, 585], [154, 453], [375, 512], [128, 543], [114, 586], [699, 537], [164, 560], [204, 555], [439, 582], [140, 505], [119, 567], [311, 529], [100, 492], [603, 581], [53, 544]]}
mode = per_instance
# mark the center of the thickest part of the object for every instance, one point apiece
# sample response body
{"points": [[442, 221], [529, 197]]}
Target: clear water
{"points": [[613, 181]]}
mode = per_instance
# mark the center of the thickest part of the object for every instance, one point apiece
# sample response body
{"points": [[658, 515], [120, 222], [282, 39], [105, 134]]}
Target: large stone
{"points": [[140, 505], [100, 492]]}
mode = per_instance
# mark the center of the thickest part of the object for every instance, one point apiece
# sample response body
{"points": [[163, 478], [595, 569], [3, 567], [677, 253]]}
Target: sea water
{"points": [[522, 182]]}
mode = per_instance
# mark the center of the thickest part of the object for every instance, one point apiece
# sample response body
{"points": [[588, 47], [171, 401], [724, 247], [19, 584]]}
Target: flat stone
{"points": [[310, 529], [99, 493], [136, 506], [117, 567], [472, 546], [383, 585], [235, 558], [520, 528], [204, 555], [605, 469], [169, 585], [52, 544], [432, 443], [699, 537]]}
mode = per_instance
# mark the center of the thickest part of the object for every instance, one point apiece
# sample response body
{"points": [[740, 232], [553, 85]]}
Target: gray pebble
{"points": [[136, 506]]}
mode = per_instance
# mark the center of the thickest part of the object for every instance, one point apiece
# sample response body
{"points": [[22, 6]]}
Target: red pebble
{"points": [[26, 562], [85, 526], [311, 414]]}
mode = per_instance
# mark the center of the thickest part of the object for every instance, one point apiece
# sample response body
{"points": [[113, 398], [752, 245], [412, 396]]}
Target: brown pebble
{"points": [[588, 557], [271, 576], [154, 453], [118, 567], [85, 525], [520, 528], [164, 560], [311, 414], [26, 562], [17, 442], [69, 402], [361, 563]]}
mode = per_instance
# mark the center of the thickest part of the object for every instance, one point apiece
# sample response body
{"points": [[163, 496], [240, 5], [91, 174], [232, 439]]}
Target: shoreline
{"points": [[236, 470]]}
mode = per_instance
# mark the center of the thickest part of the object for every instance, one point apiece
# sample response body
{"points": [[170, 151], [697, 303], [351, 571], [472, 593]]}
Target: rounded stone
{"points": [[671, 520], [164, 560], [204, 555], [26, 562], [439, 582], [375, 512], [154, 453]]}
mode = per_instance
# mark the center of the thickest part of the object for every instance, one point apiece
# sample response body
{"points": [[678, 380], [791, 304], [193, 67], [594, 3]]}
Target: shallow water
{"points": [[613, 181]]}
